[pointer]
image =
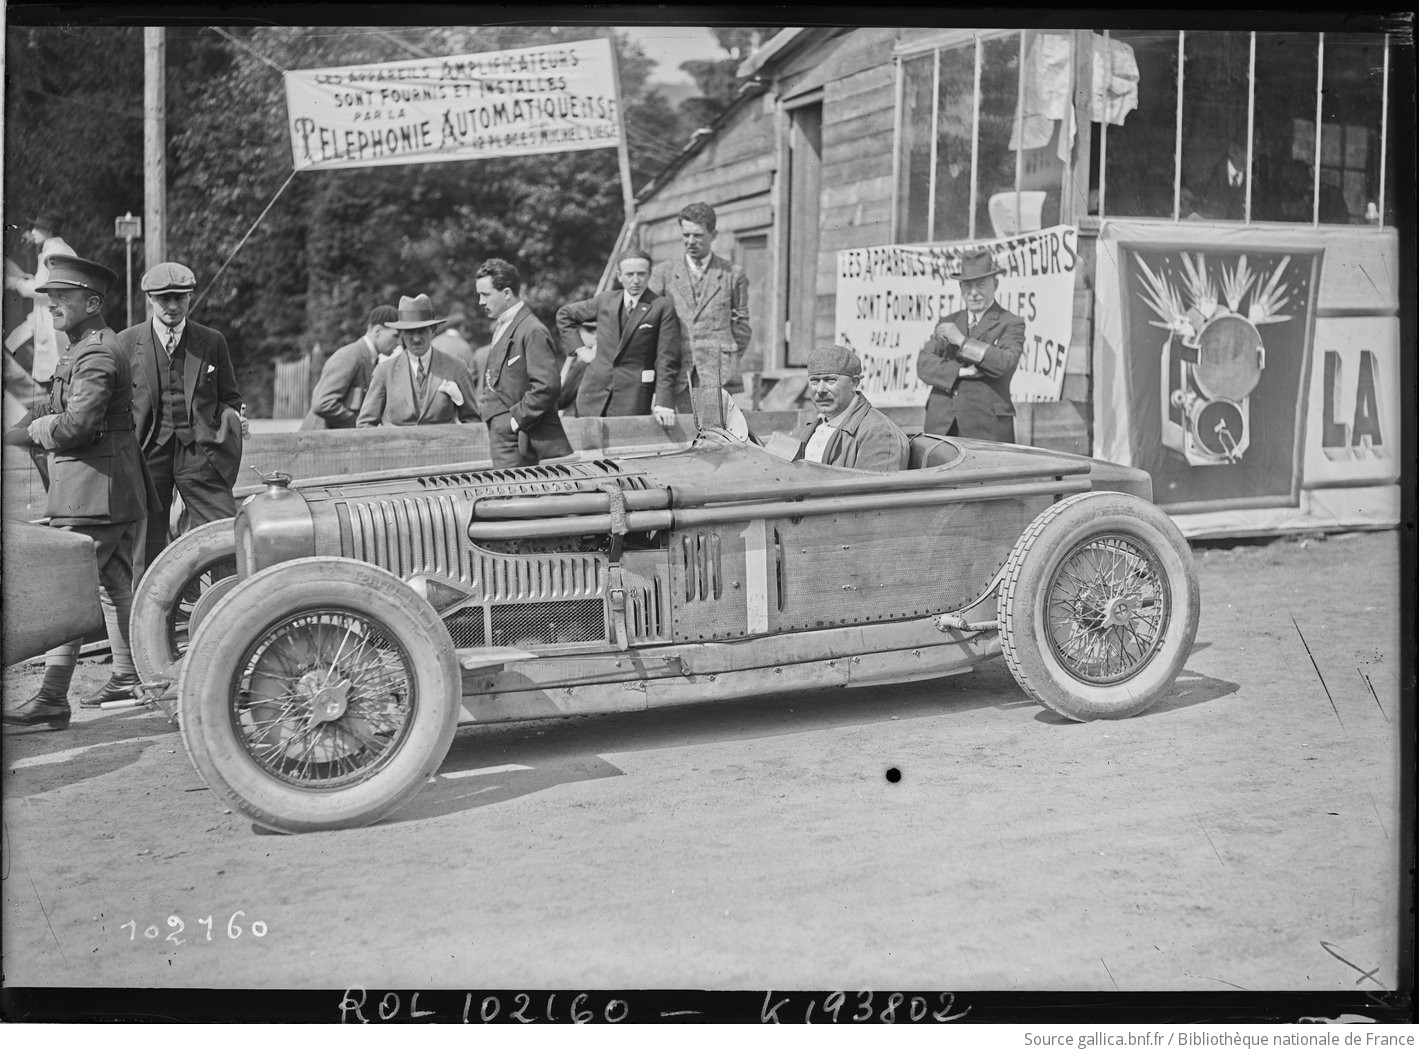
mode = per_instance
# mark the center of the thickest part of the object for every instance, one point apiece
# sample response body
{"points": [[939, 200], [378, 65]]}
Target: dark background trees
{"points": [[335, 243]]}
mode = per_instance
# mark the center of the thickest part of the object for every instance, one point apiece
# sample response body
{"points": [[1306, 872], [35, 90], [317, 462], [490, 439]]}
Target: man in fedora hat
{"points": [[847, 430], [521, 382], [637, 360], [970, 359], [345, 377], [48, 345], [418, 385], [97, 484], [186, 406]]}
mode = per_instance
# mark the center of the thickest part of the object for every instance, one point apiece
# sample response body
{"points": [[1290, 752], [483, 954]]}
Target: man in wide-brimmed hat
{"points": [[971, 357], [186, 407], [96, 482], [418, 385]]}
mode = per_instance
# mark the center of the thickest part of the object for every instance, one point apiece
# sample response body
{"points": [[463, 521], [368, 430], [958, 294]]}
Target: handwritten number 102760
{"points": [[205, 928]]}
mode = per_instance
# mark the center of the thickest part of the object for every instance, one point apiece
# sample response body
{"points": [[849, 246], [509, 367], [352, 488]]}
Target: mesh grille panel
{"points": [[466, 628], [559, 622]]}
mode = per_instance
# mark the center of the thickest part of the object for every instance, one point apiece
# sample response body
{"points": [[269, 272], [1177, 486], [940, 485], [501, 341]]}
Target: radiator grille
{"points": [[407, 535], [535, 479]]}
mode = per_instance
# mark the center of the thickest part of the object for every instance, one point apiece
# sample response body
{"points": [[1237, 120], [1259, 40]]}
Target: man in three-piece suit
{"points": [[345, 377], [970, 358], [711, 298], [96, 482], [186, 406], [522, 380], [418, 385], [637, 347]]}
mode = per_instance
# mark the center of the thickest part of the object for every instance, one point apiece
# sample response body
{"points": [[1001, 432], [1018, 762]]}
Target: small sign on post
{"points": [[129, 227]]}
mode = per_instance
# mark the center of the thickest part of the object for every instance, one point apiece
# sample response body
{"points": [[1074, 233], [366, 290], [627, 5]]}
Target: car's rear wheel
{"points": [[1099, 606], [171, 587], [321, 693]]}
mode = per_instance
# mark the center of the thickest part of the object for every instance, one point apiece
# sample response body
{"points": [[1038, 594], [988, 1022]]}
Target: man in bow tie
{"points": [[186, 407], [637, 356], [970, 359], [418, 385], [522, 379]]}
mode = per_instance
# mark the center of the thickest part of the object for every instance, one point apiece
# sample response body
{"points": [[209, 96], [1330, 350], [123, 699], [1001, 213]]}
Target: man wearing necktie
{"points": [[522, 378], [418, 385], [186, 407], [970, 358], [847, 431], [637, 357]]}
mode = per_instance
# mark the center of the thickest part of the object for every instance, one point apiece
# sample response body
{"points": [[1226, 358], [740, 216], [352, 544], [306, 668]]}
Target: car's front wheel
{"points": [[1099, 606], [321, 693], [172, 586]]}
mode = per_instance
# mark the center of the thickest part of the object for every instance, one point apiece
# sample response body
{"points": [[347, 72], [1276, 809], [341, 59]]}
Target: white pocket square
{"points": [[512, 360], [211, 368], [645, 325], [450, 389]]}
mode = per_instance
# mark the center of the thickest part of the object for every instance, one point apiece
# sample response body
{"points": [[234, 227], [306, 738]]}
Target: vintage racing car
{"points": [[322, 683]]}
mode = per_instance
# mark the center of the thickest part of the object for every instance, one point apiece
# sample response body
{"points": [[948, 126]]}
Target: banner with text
{"points": [[493, 104], [890, 298]]}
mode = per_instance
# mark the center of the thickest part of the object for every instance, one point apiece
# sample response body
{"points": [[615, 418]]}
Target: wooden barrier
{"points": [[306, 455]]}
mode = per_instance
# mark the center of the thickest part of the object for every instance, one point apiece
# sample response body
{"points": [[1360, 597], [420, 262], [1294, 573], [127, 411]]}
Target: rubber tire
{"points": [[240, 619], [1023, 599], [161, 589]]}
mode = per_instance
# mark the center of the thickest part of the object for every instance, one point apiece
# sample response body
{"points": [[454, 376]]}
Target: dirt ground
{"points": [[1244, 834]]}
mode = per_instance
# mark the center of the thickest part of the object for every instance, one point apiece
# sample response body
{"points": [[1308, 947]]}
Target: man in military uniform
{"points": [[97, 482]]}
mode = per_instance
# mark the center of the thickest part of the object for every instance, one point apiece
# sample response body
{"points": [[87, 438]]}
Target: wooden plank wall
{"points": [[293, 388]]}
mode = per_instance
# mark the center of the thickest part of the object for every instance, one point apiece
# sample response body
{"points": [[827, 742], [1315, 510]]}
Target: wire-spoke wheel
{"points": [[1107, 606], [320, 693], [1099, 606], [170, 589]]}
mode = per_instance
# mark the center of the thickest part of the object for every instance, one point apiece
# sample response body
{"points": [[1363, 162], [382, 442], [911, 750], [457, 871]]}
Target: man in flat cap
{"points": [[97, 483], [186, 407], [418, 385], [847, 431], [345, 378], [522, 382], [970, 358]]}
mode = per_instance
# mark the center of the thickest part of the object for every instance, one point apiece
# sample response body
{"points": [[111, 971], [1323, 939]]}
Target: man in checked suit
{"points": [[522, 381], [970, 359], [711, 298], [637, 347], [418, 385], [186, 407]]}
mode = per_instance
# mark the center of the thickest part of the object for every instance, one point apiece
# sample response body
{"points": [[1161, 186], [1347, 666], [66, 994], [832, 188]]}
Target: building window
{"points": [[1231, 135], [974, 161]]}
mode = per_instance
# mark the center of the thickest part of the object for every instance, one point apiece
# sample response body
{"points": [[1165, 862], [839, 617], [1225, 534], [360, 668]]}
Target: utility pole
{"points": [[155, 185]]}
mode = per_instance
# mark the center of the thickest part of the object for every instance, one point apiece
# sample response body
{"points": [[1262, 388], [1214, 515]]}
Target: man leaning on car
{"points": [[848, 431], [97, 483]]}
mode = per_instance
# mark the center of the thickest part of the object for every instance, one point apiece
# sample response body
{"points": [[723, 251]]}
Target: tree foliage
{"points": [[333, 244]]}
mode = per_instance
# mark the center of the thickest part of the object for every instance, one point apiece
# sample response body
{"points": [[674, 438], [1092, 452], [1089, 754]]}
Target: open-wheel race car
{"points": [[320, 686]]}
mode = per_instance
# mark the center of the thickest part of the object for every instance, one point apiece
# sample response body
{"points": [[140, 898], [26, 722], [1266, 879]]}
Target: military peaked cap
{"points": [[74, 272]]}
